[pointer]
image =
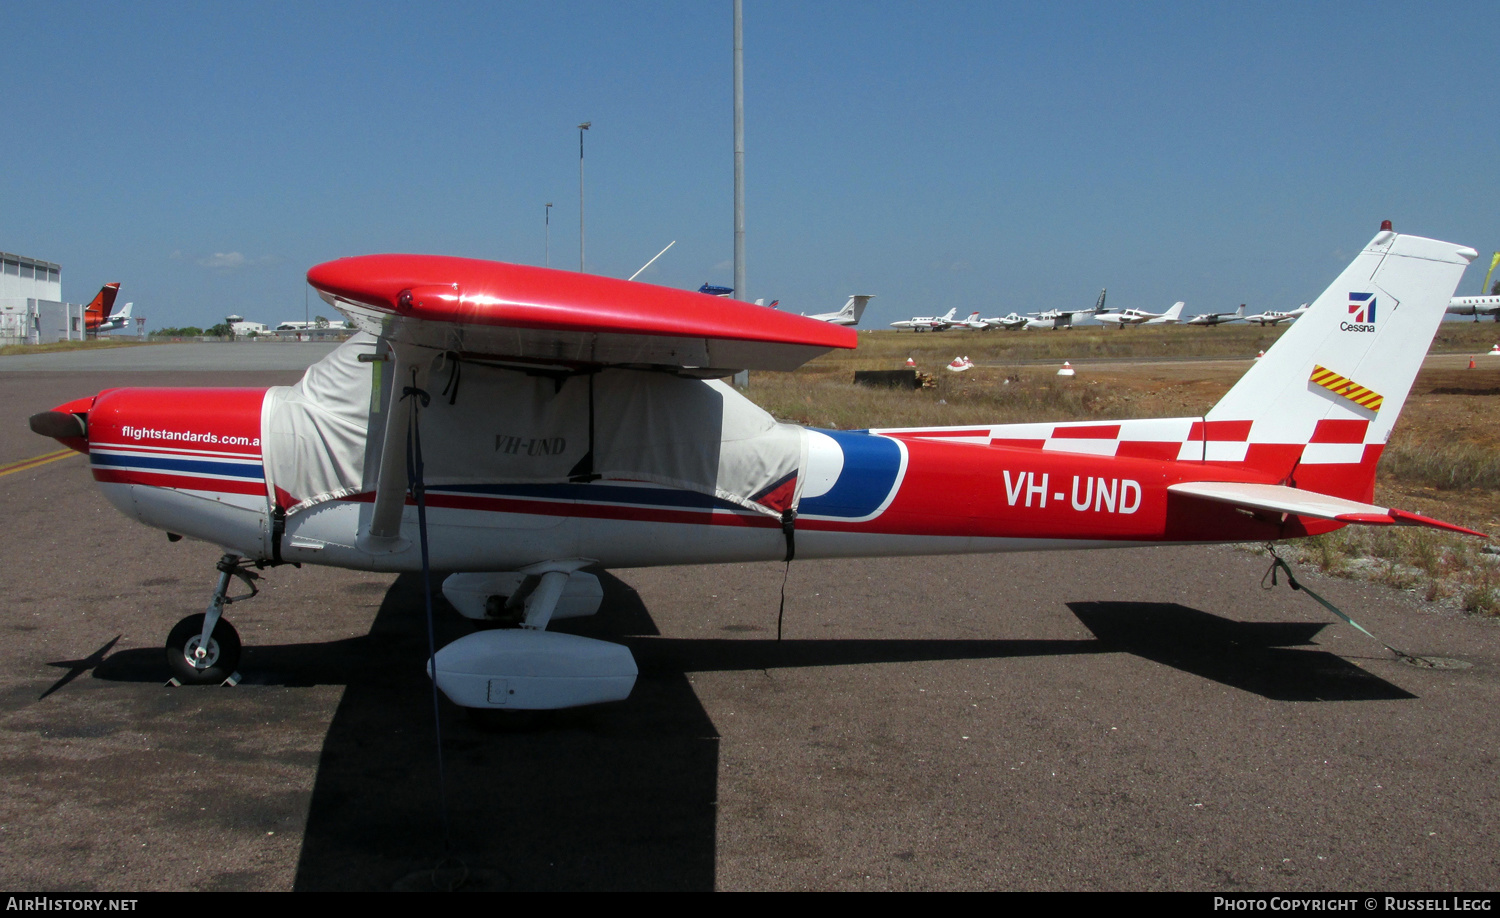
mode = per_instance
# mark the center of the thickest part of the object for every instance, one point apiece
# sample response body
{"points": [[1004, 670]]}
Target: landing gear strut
{"points": [[204, 649]]}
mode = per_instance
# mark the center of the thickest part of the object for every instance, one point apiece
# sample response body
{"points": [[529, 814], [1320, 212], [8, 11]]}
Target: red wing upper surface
{"points": [[529, 313]]}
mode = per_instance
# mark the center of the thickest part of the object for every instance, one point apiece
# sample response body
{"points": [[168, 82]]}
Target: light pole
{"points": [[741, 289], [581, 128], [547, 215], [741, 292]]}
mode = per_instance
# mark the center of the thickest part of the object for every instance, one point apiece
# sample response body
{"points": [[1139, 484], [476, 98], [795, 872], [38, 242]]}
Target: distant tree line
{"points": [[222, 330]]}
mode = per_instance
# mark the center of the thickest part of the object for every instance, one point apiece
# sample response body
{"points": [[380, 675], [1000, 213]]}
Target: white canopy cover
{"points": [[321, 438]]}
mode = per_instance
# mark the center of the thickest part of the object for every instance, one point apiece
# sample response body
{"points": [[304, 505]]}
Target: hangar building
{"points": [[31, 306]]}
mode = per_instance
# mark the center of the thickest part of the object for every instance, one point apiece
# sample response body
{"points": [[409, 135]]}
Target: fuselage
{"points": [[1475, 306], [191, 462]]}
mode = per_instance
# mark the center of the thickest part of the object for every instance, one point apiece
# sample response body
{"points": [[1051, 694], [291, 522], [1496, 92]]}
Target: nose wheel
{"points": [[204, 649], [195, 663]]}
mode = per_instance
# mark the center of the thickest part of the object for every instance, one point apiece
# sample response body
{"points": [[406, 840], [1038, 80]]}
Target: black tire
{"points": [[222, 658]]}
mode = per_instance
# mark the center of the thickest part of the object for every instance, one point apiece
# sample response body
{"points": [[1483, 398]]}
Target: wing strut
{"points": [[384, 533]]}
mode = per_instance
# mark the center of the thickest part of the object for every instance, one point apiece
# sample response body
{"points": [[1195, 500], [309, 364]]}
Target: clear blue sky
{"points": [[982, 155]]}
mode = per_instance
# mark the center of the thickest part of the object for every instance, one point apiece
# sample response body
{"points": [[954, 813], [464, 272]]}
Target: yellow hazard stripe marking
{"points": [[1348, 388], [35, 461]]}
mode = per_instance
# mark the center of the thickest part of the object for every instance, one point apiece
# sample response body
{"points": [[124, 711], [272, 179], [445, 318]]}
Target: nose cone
{"points": [[67, 423]]}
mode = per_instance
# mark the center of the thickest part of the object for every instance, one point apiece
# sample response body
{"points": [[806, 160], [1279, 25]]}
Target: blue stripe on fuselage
{"points": [[188, 466], [871, 466]]}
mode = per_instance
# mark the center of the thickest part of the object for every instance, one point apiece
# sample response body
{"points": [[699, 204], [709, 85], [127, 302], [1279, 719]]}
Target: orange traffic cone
{"points": [[1471, 362], [910, 362], [1260, 355], [1067, 370]]}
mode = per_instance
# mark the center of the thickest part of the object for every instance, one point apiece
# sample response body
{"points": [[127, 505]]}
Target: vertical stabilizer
{"points": [[100, 306], [1321, 403]]}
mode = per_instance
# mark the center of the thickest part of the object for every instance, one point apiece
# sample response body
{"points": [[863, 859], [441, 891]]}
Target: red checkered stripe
{"points": [[1333, 440]]}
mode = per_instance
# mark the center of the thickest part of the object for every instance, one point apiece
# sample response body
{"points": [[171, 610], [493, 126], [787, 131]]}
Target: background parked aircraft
{"points": [[97, 312], [1475, 306], [117, 321], [1271, 317], [853, 310], [1218, 318], [927, 323], [1009, 322], [1142, 317], [1063, 318], [973, 322]]}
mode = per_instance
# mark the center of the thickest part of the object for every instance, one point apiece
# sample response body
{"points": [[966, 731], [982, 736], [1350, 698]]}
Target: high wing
{"points": [[539, 315], [425, 306]]}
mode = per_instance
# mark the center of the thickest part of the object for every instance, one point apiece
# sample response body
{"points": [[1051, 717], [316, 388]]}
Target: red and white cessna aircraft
{"points": [[524, 424]]}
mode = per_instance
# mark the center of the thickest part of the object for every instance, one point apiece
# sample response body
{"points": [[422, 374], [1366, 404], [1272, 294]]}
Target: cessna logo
{"points": [[1361, 313], [529, 446]]}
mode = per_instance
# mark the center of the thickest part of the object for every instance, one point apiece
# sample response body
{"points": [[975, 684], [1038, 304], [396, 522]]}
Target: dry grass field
{"points": [[1443, 459], [89, 345]]}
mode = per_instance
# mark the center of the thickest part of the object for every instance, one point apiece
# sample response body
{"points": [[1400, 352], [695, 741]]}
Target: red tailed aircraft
{"points": [[522, 424], [97, 315]]}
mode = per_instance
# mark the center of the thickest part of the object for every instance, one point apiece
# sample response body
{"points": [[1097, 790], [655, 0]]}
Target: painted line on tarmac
{"points": [[35, 461]]}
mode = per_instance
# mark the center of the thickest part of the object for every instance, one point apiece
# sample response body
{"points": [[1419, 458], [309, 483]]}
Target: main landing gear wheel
{"points": [[193, 664]]}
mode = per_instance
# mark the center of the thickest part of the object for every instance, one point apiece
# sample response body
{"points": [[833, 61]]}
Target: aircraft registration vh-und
{"points": [[525, 426]]}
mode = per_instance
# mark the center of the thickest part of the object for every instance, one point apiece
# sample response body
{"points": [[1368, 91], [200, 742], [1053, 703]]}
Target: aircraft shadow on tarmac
{"points": [[1256, 657], [623, 796]]}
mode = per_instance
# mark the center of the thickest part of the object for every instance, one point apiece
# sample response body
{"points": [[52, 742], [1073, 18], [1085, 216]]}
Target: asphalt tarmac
{"points": [[1134, 720]]}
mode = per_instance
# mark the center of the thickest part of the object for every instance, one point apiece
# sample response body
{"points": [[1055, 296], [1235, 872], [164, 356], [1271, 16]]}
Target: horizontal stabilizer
{"points": [[1297, 502]]}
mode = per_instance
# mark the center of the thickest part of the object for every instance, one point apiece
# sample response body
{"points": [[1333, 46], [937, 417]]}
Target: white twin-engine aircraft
{"points": [[1142, 317], [1010, 321], [1218, 318], [582, 424], [1274, 318], [927, 323]]}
